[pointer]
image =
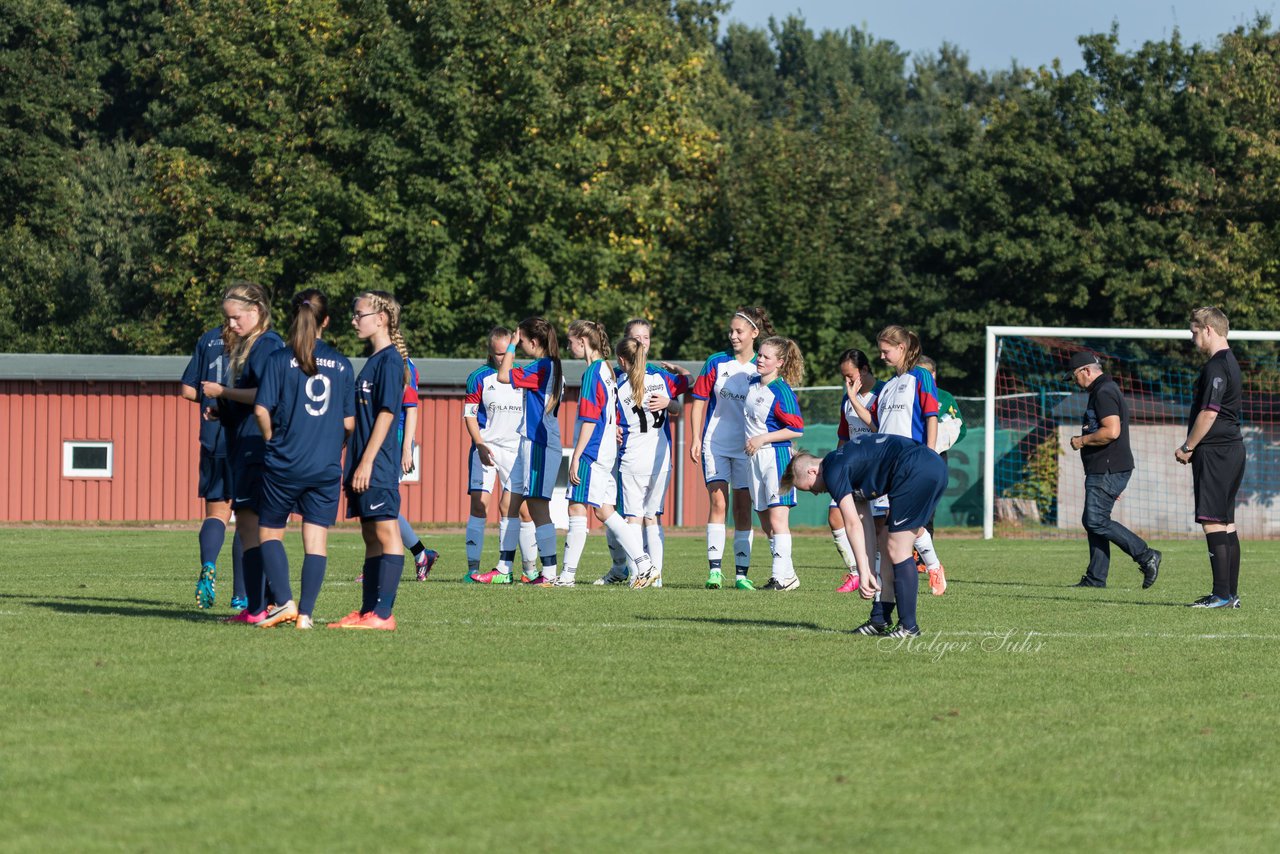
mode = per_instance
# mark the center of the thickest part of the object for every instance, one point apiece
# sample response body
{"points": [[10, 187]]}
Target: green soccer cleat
{"points": [[744, 583], [714, 579], [205, 586]]}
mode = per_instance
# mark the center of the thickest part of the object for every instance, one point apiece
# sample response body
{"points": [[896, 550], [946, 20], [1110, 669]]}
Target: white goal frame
{"points": [[989, 402]]}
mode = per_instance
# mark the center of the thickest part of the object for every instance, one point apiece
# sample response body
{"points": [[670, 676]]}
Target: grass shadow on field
{"points": [[44, 597], [1079, 599], [734, 622], [90, 610], [1055, 586]]}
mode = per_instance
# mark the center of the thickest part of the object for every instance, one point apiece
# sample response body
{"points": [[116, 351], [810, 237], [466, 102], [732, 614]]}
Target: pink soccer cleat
{"points": [[851, 582]]}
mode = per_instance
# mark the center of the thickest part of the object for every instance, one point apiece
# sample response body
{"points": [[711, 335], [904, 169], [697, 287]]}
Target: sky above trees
{"points": [[995, 32]]}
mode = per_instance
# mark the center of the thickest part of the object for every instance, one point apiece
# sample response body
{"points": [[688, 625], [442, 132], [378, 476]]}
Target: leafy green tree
{"points": [[529, 158], [249, 129], [44, 91], [1229, 200]]}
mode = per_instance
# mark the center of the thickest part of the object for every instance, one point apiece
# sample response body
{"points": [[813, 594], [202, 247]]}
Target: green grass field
{"points": [[1030, 717]]}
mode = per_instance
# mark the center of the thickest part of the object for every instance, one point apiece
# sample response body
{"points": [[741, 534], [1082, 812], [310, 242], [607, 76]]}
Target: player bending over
{"points": [[865, 468]]}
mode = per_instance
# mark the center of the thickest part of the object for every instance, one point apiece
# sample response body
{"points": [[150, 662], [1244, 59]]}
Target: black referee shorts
{"points": [[1216, 473]]}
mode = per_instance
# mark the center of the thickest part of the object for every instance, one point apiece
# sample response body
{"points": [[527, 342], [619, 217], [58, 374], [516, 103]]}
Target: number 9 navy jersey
{"points": [[307, 414]]}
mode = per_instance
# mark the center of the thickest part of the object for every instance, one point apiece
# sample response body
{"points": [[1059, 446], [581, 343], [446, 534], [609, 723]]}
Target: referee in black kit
{"points": [[1215, 449], [1104, 449]]}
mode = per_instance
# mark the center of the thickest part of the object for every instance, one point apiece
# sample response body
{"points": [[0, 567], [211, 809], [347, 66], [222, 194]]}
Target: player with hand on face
{"points": [[867, 467], [860, 386], [539, 457], [493, 413]]}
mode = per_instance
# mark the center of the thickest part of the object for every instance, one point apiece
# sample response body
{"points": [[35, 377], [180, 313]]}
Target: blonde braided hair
{"points": [[385, 302]]}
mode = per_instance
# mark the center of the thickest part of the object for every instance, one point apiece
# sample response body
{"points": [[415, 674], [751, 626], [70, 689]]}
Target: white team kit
{"points": [[597, 405], [499, 409], [851, 425], [767, 409], [644, 467], [723, 384]]}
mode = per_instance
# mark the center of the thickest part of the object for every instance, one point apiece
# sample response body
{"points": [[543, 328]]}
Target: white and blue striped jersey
{"points": [[723, 384]]}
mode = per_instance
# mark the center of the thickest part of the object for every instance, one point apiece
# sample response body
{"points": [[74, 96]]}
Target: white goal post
{"points": [[994, 333]]}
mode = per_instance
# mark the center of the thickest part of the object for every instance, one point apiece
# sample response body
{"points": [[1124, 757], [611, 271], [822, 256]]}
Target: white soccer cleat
{"points": [[611, 577]]}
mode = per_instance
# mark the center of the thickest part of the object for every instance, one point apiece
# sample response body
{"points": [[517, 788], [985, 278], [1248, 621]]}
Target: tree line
{"points": [[490, 159]]}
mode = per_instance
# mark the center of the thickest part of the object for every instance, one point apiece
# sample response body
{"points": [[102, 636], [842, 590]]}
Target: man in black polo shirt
{"points": [[1103, 444], [1215, 449]]}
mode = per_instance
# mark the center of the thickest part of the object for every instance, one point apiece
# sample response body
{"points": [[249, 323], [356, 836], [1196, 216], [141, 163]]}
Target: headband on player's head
{"points": [[747, 319]]}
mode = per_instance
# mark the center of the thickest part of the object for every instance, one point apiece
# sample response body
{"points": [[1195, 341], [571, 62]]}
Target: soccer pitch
{"points": [[1029, 717]]}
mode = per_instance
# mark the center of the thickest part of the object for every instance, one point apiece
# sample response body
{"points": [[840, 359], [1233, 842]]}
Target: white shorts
{"points": [[877, 508], [534, 473], [481, 477], [732, 470], [596, 485], [642, 494], [767, 466]]}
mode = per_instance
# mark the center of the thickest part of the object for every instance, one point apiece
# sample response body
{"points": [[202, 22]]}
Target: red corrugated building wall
{"points": [[155, 452]]}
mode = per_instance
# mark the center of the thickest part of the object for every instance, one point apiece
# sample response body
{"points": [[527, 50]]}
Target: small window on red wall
{"points": [[87, 459]]}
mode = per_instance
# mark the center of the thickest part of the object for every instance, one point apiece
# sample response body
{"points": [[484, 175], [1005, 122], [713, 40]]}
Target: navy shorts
{"points": [[215, 477], [919, 480], [374, 503], [248, 487], [315, 503]]}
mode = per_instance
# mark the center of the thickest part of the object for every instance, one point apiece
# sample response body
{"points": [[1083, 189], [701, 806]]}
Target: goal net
{"points": [[1034, 482]]}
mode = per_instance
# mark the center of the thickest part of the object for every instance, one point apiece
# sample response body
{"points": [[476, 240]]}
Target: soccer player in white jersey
{"points": [[718, 439], [641, 330], [645, 392], [856, 370], [772, 417], [493, 413], [592, 482], [538, 461]]}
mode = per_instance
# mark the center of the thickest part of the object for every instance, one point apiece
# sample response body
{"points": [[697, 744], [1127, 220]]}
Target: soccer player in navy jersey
{"points": [[1215, 449], [305, 408], [864, 468], [247, 308], [209, 362], [372, 476]]}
